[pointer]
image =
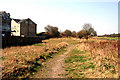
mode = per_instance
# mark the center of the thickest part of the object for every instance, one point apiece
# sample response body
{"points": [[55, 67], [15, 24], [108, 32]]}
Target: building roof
{"points": [[21, 20], [18, 20]]}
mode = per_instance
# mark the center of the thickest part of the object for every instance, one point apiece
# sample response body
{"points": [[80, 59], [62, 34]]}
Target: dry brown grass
{"points": [[19, 61], [104, 54]]}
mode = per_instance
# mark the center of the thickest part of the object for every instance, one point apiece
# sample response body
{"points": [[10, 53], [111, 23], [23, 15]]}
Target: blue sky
{"points": [[66, 14]]}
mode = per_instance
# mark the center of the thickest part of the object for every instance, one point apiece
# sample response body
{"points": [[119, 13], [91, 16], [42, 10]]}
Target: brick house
{"points": [[23, 27]]}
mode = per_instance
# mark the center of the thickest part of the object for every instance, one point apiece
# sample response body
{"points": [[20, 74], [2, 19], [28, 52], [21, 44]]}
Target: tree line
{"points": [[86, 31]]}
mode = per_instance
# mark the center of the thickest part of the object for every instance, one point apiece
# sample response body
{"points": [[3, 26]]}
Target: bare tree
{"points": [[88, 28], [52, 31]]}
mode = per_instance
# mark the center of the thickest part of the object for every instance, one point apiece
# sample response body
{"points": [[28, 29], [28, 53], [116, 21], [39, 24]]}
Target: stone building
{"points": [[23, 27], [5, 21]]}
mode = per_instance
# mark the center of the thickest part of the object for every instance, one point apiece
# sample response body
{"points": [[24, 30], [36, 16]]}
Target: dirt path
{"points": [[54, 67]]}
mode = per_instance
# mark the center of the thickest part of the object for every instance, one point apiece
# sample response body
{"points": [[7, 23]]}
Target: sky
{"points": [[66, 14]]}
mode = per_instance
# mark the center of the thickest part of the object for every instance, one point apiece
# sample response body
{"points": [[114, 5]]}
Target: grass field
{"points": [[88, 59], [107, 38]]}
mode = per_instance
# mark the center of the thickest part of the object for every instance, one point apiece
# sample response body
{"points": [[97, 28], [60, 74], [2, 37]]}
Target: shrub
{"points": [[68, 32], [81, 34], [74, 34]]}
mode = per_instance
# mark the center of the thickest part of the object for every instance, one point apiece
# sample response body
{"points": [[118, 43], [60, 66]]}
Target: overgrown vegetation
{"points": [[93, 59], [22, 61]]}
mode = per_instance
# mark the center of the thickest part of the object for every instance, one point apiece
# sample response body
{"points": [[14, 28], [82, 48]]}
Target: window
{"points": [[3, 34], [22, 35], [26, 22], [30, 22]]}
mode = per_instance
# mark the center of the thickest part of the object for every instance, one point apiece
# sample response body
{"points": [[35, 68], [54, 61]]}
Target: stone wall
{"points": [[21, 41]]}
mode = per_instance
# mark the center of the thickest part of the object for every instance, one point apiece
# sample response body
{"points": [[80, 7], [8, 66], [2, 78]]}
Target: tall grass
{"points": [[105, 55], [21, 61]]}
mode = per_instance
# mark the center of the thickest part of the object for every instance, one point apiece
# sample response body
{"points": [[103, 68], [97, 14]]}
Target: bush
{"points": [[74, 34], [81, 34], [67, 32]]}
